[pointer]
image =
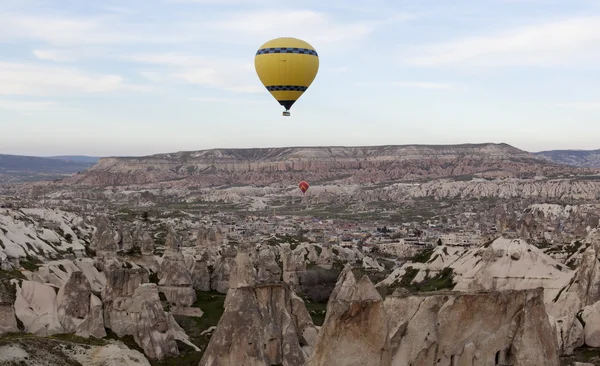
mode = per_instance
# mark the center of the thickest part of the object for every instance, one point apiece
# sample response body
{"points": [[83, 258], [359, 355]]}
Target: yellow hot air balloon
{"points": [[286, 66]]}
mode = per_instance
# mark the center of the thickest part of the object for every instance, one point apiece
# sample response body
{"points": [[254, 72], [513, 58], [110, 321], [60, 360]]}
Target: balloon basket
{"points": [[286, 113]]}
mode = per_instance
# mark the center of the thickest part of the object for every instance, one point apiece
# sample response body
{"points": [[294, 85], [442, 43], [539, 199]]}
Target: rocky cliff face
{"points": [[576, 308], [79, 311], [462, 329], [365, 164], [356, 327], [263, 324], [448, 328], [521, 189], [8, 322]]}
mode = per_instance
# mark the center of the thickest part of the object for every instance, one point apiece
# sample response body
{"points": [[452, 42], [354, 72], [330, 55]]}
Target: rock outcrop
{"points": [[510, 264], [364, 164], [259, 327], [326, 257], [209, 237], [293, 264], [445, 328], [200, 273], [126, 242], [79, 311], [175, 280], [35, 306], [103, 240], [219, 278], [143, 240], [142, 316], [58, 272], [263, 324], [356, 330], [8, 321], [120, 283], [500, 327], [268, 270], [577, 301]]}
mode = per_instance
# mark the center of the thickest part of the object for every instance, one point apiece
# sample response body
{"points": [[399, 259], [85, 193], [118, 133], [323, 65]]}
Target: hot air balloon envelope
{"points": [[303, 186], [287, 67]]}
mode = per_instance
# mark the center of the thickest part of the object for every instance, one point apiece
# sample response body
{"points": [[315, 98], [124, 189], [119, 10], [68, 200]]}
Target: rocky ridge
{"points": [[366, 164]]}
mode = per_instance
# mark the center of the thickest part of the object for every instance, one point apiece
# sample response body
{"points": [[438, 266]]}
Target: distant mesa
{"points": [[21, 168], [579, 158], [360, 164]]}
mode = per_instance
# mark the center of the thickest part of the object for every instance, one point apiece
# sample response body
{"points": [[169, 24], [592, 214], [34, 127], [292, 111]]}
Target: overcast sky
{"points": [[133, 77]]}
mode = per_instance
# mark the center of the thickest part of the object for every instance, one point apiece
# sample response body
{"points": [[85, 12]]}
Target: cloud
{"points": [[32, 79], [586, 106], [221, 2], [554, 43], [304, 24], [52, 55], [225, 74], [341, 69], [61, 30], [29, 108], [18, 105], [408, 84], [229, 100]]}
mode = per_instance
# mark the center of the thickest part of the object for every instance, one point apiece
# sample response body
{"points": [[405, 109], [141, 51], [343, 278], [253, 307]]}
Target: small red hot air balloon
{"points": [[303, 186]]}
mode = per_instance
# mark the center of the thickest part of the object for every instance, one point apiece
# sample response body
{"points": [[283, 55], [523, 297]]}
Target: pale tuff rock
{"points": [[201, 276], [293, 263], [57, 273], [114, 354], [243, 273], [76, 307], [209, 237], [459, 329], [450, 328], [306, 329], [143, 240], [27, 351], [591, 331], [93, 324], [219, 279], [371, 263], [375, 164], [355, 330], [126, 241], [510, 264], [172, 242], [34, 232], [175, 280], [35, 306], [153, 333], [569, 331], [179, 296], [326, 257], [313, 256], [259, 328], [8, 321], [120, 283], [267, 267], [504, 264], [524, 189], [103, 240], [346, 254], [142, 316], [577, 297]]}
